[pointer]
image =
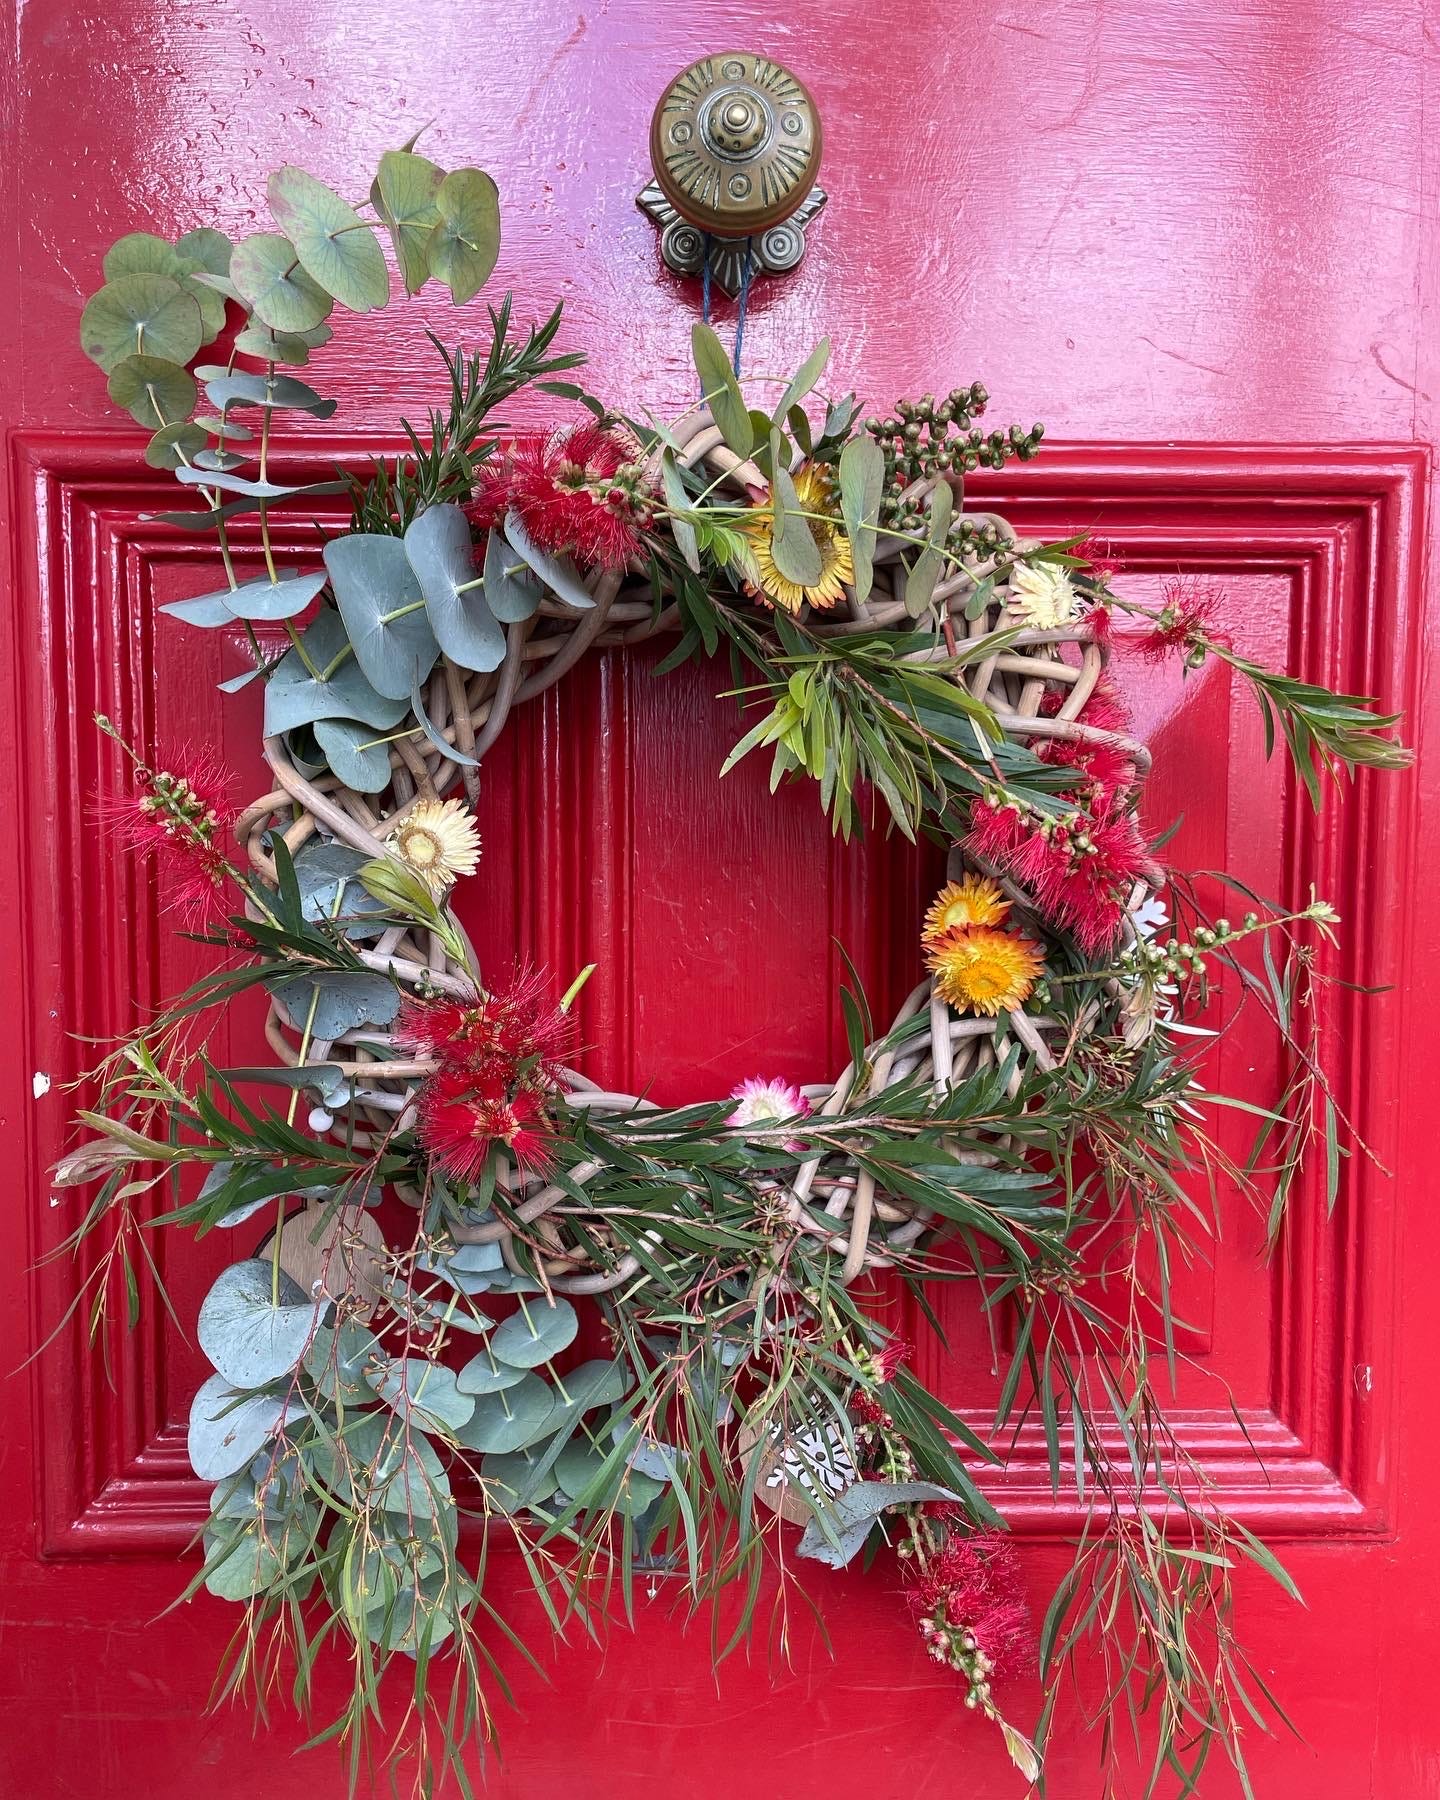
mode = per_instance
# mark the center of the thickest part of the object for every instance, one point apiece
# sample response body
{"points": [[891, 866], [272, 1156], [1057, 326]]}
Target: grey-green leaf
{"points": [[294, 697], [337, 1359], [228, 1426], [141, 315], [540, 1330], [207, 248], [438, 546], [403, 193], [557, 572], [336, 247], [422, 1392], [383, 609], [267, 272], [925, 571], [484, 1374], [463, 248], [803, 379], [721, 389], [223, 389], [351, 751], [259, 599], [248, 1337], [336, 1002], [510, 1419], [850, 1516], [793, 546], [862, 483], [511, 590], [173, 444], [154, 392]]}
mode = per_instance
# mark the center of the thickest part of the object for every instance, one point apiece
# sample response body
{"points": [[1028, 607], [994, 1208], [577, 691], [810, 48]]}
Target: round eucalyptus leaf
{"points": [[463, 248], [578, 1466], [423, 1393], [485, 1374], [384, 611], [336, 247], [515, 1480], [476, 1259], [275, 346], [558, 573], [258, 599], [327, 875], [241, 1561], [221, 461], [512, 591], [224, 390], [154, 392], [439, 549], [293, 696], [593, 1384], [540, 1330], [226, 430], [140, 315], [207, 248], [142, 253], [403, 193], [228, 1426], [414, 1619], [248, 1337], [352, 753], [336, 1361], [331, 1004], [211, 303], [510, 1419], [172, 444], [273, 281]]}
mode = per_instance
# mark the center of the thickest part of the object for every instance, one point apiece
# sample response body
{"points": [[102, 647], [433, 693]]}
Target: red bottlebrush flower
{"points": [[179, 812], [968, 1600], [891, 1357], [1188, 607], [463, 1117], [580, 493], [1101, 623], [512, 1036], [1107, 767], [1100, 556]]}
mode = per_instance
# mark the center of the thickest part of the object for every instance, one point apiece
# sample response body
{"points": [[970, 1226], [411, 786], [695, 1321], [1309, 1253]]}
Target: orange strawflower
{"points": [[973, 900], [979, 969]]}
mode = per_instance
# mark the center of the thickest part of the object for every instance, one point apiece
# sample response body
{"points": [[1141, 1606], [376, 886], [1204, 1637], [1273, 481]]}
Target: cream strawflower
{"points": [[1042, 595], [438, 841]]}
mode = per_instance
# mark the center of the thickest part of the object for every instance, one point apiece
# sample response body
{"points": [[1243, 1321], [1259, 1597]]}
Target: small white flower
{"points": [[438, 841], [1150, 917], [1042, 595]]}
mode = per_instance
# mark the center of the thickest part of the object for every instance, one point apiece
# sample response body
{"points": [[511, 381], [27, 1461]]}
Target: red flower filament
{"points": [[968, 1602], [581, 493], [1188, 608], [179, 817]]}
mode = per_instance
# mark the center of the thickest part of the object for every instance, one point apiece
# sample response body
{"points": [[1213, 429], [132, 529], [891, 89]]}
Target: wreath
{"points": [[397, 1362]]}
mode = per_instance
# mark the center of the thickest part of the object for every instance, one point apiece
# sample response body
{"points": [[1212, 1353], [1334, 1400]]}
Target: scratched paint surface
{"points": [[1136, 221]]}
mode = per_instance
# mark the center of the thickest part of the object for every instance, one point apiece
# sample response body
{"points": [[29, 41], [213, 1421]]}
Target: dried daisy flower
{"points": [[1042, 595], [979, 969], [973, 900], [815, 490], [437, 841]]}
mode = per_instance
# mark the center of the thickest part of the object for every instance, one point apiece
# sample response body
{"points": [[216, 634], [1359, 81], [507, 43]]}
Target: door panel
{"points": [[1175, 235]]}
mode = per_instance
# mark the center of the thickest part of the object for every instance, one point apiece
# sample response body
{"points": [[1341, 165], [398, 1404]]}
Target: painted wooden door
{"points": [[1199, 243]]}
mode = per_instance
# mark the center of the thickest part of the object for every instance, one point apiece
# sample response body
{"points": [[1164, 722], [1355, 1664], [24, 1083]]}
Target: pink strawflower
{"points": [[766, 1102], [581, 492]]}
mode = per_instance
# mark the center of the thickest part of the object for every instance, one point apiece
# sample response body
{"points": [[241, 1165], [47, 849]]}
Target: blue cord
{"points": [[745, 274]]}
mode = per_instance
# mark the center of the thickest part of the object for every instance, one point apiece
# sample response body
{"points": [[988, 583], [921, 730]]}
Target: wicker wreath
{"points": [[1034, 692]]}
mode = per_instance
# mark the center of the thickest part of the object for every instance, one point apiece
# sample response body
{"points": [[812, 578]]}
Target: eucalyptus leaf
{"points": [[327, 875], [515, 1480], [243, 1561], [434, 734], [336, 247], [510, 1419], [351, 751], [142, 253], [793, 546], [511, 590], [228, 1426], [862, 483], [423, 1393], [850, 1516], [223, 390], [154, 392], [539, 1331], [335, 1002], [558, 573], [591, 1385], [485, 1374], [293, 696], [721, 389], [804, 379], [337, 1359], [267, 272], [925, 571], [207, 249], [291, 347], [250, 1338], [439, 549], [254, 489], [141, 315], [383, 609], [464, 246], [259, 599], [680, 504], [173, 444], [403, 193]]}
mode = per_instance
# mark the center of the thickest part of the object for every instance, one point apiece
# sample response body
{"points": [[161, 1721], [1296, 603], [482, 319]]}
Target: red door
{"points": [[1199, 244]]}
